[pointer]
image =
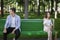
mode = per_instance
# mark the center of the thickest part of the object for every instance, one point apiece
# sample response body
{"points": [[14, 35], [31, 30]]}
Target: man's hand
{"points": [[4, 31], [13, 31]]}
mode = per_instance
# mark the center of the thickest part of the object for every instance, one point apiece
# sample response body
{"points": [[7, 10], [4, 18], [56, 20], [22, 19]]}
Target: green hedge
{"points": [[30, 15], [57, 26]]}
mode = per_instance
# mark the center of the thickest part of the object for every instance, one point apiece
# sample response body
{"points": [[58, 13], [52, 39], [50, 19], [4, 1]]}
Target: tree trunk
{"points": [[2, 11], [26, 9], [52, 1], [39, 8], [55, 9], [44, 6]]}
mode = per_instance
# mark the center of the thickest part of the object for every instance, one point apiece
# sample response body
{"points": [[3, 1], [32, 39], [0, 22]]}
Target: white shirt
{"points": [[13, 22], [47, 24]]}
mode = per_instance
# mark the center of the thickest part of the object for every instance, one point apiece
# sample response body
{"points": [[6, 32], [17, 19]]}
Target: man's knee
{"points": [[17, 34]]}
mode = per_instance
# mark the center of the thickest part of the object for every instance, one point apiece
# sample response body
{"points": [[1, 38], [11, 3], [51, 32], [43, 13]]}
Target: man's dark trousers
{"points": [[9, 30]]}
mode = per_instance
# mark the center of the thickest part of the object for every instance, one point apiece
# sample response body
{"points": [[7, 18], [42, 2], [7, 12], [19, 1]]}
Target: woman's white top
{"points": [[47, 24]]}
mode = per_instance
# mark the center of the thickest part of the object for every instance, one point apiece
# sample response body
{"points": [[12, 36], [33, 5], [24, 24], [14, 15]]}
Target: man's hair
{"points": [[13, 9]]}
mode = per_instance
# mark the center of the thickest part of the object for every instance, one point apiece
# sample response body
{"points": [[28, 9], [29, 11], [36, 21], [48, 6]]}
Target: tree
{"points": [[26, 9], [39, 8], [2, 11], [52, 4], [55, 4]]}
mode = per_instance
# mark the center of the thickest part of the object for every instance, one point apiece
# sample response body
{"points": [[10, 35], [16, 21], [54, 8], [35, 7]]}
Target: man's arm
{"points": [[5, 25], [18, 23]]}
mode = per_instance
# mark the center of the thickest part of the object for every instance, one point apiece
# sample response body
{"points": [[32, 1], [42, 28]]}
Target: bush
{"points": [[57, 26]]}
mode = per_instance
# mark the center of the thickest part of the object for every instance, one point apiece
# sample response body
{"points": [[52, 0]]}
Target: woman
{"points": [[48, 25]]}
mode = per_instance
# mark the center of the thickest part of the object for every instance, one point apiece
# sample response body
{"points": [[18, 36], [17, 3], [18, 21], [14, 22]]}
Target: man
{"points": [[12, 25]]}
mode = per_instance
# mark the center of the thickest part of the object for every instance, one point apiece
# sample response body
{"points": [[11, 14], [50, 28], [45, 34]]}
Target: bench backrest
{"points": [[32, 25]]}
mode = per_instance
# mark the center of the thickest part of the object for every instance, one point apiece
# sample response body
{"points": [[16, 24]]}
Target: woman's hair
{"points": [[45, 16]]}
